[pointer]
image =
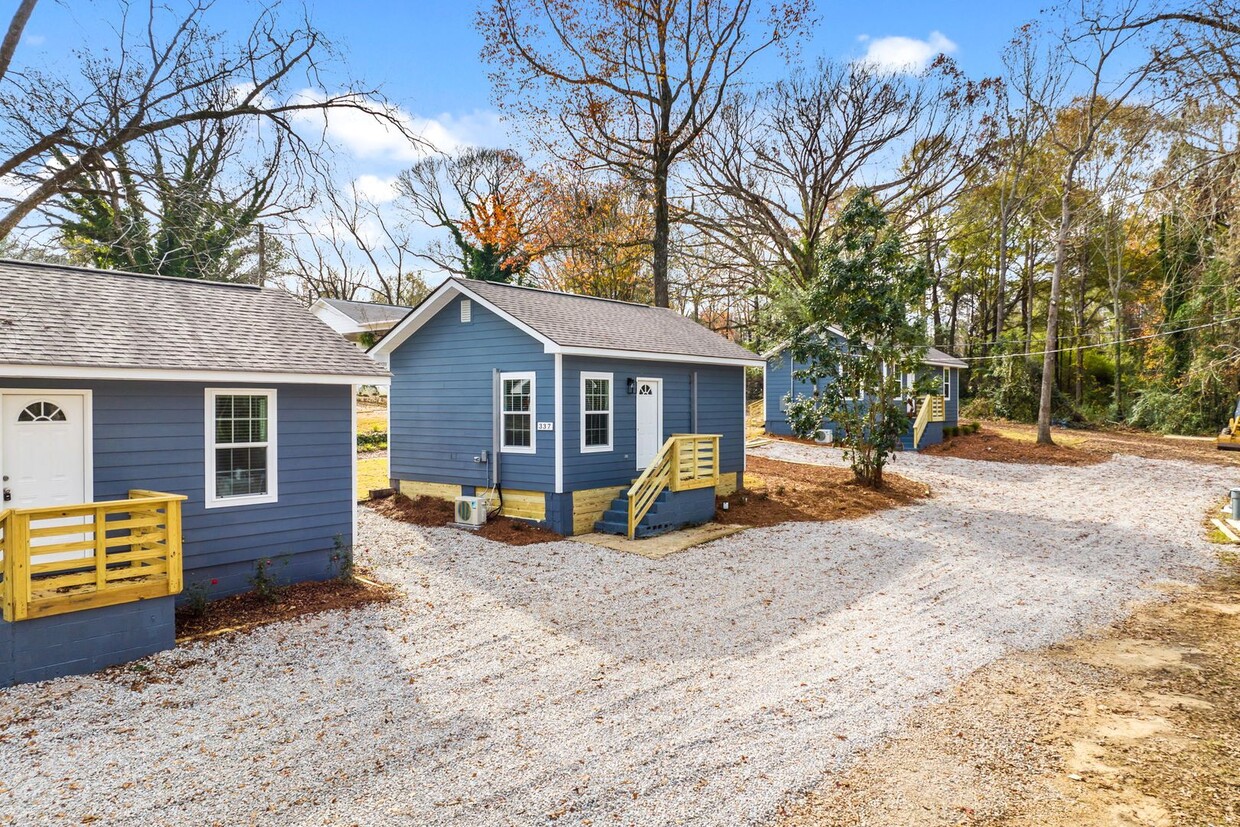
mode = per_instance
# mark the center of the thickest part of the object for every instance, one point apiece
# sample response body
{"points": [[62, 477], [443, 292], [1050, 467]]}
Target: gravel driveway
{"points": [[569, 684]]}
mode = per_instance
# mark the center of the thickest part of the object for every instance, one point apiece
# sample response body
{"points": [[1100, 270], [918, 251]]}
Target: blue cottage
{"points": [[935, 411], [159, 434], [575, 413]]}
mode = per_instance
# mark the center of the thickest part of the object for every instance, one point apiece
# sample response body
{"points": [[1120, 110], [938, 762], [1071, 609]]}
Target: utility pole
{"points": [[261, 275]]}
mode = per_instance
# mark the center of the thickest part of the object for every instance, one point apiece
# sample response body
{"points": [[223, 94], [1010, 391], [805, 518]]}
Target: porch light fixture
{"points": [[630, 385]]}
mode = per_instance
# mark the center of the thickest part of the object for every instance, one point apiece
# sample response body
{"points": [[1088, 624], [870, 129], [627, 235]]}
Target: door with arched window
{"points": [[43, 443]]}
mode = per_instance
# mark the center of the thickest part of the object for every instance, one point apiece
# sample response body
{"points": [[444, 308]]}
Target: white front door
{"points": [[649, 419], [43, 444]]}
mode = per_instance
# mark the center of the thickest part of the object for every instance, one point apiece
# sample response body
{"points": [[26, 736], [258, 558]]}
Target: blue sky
{"points": [[424, 57], [425, 54]]}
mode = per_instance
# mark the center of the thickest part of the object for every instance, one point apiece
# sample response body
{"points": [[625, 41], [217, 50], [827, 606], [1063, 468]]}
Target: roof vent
{"points": [[466, 310]]}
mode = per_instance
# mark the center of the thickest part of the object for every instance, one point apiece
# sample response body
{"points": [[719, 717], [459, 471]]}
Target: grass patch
{"points": [[367, 422], [371, 474], [1025, 436]]}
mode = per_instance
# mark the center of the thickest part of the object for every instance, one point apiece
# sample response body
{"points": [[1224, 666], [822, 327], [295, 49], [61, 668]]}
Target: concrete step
{"points": [[608, 527]]}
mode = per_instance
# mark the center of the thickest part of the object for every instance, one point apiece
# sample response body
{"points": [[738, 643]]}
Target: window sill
{"points": [[233, 502], [596, 449], [507, 449]]}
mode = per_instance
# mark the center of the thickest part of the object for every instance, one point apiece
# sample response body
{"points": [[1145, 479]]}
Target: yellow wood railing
{"points": [[931, 409], [684, 462], [68, 558]]}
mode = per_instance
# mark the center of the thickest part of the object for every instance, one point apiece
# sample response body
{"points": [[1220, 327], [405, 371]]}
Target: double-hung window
{"points": [[517, 401], [596, 419], [947, 383], [241, 447]]}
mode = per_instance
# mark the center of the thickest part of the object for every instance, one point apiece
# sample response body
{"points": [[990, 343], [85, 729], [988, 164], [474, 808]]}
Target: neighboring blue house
{"points": [[554, 407], [207, 425], [934, 411]]}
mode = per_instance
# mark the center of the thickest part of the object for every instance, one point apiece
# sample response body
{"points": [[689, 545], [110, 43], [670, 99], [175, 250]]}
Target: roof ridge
{"points": [[50, 265], [469, 281]]}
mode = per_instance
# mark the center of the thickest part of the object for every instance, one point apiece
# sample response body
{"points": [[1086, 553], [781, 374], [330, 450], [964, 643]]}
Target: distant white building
{"points": [[354, 320]]}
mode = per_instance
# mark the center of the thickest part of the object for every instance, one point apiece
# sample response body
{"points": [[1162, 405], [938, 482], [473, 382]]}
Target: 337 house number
{"points": [[546, 426]]}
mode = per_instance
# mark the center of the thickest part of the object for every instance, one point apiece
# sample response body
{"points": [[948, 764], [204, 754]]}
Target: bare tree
{"points": [[356, 251], [165, 68], [775, 164], [632, 83], [491, 205]]}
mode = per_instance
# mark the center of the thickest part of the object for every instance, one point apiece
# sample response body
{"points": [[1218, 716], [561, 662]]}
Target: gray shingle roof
{"points": [[369, 312], [573, 321], [934, 356], [77, 317]]}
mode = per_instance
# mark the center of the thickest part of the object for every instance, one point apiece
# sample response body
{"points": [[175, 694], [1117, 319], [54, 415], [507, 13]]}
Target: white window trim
{"points": [[273, 452], [947, 383], [533, 412], [611, 413]]}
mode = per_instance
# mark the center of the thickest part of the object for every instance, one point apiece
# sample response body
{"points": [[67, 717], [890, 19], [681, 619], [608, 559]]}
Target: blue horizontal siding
{"points": [[721, 410], [441, 401], [152, 435], [780, 381]]}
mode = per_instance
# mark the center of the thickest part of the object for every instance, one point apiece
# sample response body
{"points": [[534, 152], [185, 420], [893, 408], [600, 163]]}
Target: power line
{"points": [[1102, 344]]}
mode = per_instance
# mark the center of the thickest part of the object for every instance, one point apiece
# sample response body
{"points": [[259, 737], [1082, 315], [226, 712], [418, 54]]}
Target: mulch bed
{"points": [[433, 512], [781, 492], [993, 447], [243, 612]]}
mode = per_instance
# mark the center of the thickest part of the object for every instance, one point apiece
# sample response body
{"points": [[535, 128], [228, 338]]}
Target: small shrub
{"points": [[804, 415], [372, 441], [196, 600], [974, 427], [265, 585], [341, 560], [951, 431]]}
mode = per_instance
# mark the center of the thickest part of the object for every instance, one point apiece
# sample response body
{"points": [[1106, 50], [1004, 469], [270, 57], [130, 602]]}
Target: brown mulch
{"points": [[779, 492], [243, 612], [433, 512], [994, 447]]}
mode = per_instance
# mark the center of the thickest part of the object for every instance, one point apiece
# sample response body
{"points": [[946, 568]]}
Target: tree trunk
{"points": [[14, 34], [662, 235], [1001, 282], [1049, 362]]}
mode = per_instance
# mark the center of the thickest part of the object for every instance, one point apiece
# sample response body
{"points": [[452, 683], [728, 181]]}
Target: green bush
{"points": [[804, 415], [951, 431], [372, 441], [974, 427]]}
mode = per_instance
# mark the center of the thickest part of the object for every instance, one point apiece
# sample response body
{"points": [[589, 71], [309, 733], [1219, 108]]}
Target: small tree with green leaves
{"points": [[872, 290]]}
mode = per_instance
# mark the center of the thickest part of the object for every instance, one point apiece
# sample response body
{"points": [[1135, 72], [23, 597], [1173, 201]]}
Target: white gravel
{"points": [[570, 684]]}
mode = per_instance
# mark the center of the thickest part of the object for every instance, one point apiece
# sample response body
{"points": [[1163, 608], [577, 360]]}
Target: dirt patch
{"points": [[243, 612], [1134, 442], [1136, 727], [433, 513], [779, 492], [994, 447]]}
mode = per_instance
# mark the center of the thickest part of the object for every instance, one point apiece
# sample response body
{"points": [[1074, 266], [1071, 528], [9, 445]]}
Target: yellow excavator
{"points": [[1229, 439]]}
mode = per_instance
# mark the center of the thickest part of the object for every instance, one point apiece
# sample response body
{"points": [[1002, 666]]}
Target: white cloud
{"points": [[371, 136], [34, 39], [905, 54], [375, 189]]}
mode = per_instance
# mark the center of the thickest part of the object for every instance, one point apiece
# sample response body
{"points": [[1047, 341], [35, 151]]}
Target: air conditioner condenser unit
{"points": [[471, 511]]}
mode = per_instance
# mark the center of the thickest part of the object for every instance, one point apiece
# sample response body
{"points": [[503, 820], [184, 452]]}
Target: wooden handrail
{"points": [[923, 419], [684, 462], [97, 561], [932, 409]]}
